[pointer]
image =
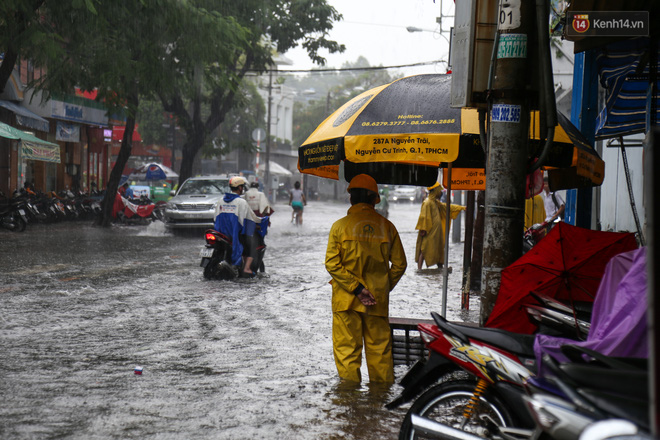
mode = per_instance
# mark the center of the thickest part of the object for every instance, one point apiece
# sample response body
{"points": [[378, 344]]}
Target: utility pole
{"points": [[269, 192], [507, 146]]}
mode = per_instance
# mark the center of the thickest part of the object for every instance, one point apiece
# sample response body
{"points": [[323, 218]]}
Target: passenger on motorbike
{"points": [[235, 219], [258, 201]]}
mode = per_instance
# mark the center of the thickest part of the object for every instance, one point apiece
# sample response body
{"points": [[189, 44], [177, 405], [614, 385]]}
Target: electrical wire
{"points": [[346, 69]]}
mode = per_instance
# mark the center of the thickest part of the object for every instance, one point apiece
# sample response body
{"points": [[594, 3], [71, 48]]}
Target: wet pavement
{"points": [[83, 306]]}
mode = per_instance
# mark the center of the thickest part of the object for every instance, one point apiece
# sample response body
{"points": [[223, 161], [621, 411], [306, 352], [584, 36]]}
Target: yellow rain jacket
{"points": [[534, 211], [361, 247], [432, 219]]}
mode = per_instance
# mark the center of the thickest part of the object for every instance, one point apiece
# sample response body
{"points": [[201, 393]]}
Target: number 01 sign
{"points": [[509, 17]]}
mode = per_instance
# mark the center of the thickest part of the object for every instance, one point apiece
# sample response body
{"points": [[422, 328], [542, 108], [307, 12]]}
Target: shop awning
{"points": [[275, 169], [623, 68], [31, 146], [25, 117]]}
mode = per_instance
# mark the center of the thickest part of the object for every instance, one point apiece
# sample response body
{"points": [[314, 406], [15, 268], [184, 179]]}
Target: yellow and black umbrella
{"points": [[571, 163], [398, 133], [401, 132]]}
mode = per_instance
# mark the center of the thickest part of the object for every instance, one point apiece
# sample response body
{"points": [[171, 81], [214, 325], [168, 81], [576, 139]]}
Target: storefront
{"points": [[37, 159], [24, 156]]}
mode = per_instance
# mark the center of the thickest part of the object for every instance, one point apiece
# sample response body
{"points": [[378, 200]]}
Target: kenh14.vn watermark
{"points": [[607, 24]]}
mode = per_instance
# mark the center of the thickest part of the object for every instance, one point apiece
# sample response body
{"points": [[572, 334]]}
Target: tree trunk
{"points": [[7, 67], [11, 52], [105, 217], [190, 150]]}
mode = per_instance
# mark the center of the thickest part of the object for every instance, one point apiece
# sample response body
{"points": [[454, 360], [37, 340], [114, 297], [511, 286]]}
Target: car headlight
{"points": [[170, 205]]}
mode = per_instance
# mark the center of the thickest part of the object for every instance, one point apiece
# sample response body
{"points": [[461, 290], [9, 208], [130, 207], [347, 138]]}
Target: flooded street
{"points": [[83, 306]]}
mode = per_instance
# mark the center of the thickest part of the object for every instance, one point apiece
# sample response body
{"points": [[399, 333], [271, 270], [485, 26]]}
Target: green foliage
{"points": [[192, 55], [151, 121], [235, 132]]}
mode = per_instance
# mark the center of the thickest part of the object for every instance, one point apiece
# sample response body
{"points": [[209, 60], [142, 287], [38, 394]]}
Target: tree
{"points": [[19, 29], [127, 49], [277, 25], [235, 133]]}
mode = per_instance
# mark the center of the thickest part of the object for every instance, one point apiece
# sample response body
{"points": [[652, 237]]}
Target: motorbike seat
{"points": [[516, 343], [630, 408], [630, 381]]}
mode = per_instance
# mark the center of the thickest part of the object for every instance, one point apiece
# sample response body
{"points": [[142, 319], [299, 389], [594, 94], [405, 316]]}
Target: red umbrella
{"points": [[567, 264]]}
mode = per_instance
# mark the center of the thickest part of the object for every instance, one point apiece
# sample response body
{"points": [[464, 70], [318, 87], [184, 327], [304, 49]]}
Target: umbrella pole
{"points": [[445, 268]]}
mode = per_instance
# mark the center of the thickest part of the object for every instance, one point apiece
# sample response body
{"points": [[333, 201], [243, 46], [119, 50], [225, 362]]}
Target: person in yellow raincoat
{"points": [[534, 211], [430, 247], [366, 260]]}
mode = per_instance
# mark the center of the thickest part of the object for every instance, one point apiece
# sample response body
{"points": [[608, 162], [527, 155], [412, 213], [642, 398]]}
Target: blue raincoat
{"points": [[235, 218]]}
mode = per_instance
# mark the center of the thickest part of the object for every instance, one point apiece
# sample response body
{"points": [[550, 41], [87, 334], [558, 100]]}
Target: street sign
{"points": [[470, 179], [258, 134]]}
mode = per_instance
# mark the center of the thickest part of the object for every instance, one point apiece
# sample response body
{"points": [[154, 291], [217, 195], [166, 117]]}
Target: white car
{"points": [[193, 205], [403, 193]]}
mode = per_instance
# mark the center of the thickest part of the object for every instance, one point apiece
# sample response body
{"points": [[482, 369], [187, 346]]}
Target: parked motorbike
{"points": [[535, 233], [13, 214], [592, 387], [216, 257], [478, 375], [555, 318], [12, 220], [135, 211]]}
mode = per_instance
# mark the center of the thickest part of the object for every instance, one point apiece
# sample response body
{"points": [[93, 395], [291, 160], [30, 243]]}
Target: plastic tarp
{"points": [[618, 324]]}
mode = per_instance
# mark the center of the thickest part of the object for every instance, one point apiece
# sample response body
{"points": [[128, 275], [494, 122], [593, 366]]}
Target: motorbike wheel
{"points": [[446, 402], [20, 224], [220, 270]]}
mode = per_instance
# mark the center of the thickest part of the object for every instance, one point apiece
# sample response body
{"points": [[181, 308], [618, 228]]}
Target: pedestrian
{"points": [[554, 204], [431, 226], [297, 201], [258, 201], [235, 219], [126, 191], [534, 211], [366, 260]]}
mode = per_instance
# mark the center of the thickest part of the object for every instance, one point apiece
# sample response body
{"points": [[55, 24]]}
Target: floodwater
{"points": [[83, 306]]}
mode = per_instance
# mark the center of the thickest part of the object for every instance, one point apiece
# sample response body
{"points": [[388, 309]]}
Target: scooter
{"points": [[13, 216], [558, 319], [592, 387], [478, 375], [534, 234], [216, 257]]}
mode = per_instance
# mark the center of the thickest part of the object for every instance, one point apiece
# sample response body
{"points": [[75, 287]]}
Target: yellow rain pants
{"points": [[348, 330]]}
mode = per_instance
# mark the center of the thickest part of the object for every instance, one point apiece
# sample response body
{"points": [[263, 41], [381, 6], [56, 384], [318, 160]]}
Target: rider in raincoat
{"points": [[235, 219], [366, 260], [431, 226]]}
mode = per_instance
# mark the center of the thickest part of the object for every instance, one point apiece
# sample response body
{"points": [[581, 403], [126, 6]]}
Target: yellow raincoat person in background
{"points": [[431, 226], [366, 260], [534, 211]]}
